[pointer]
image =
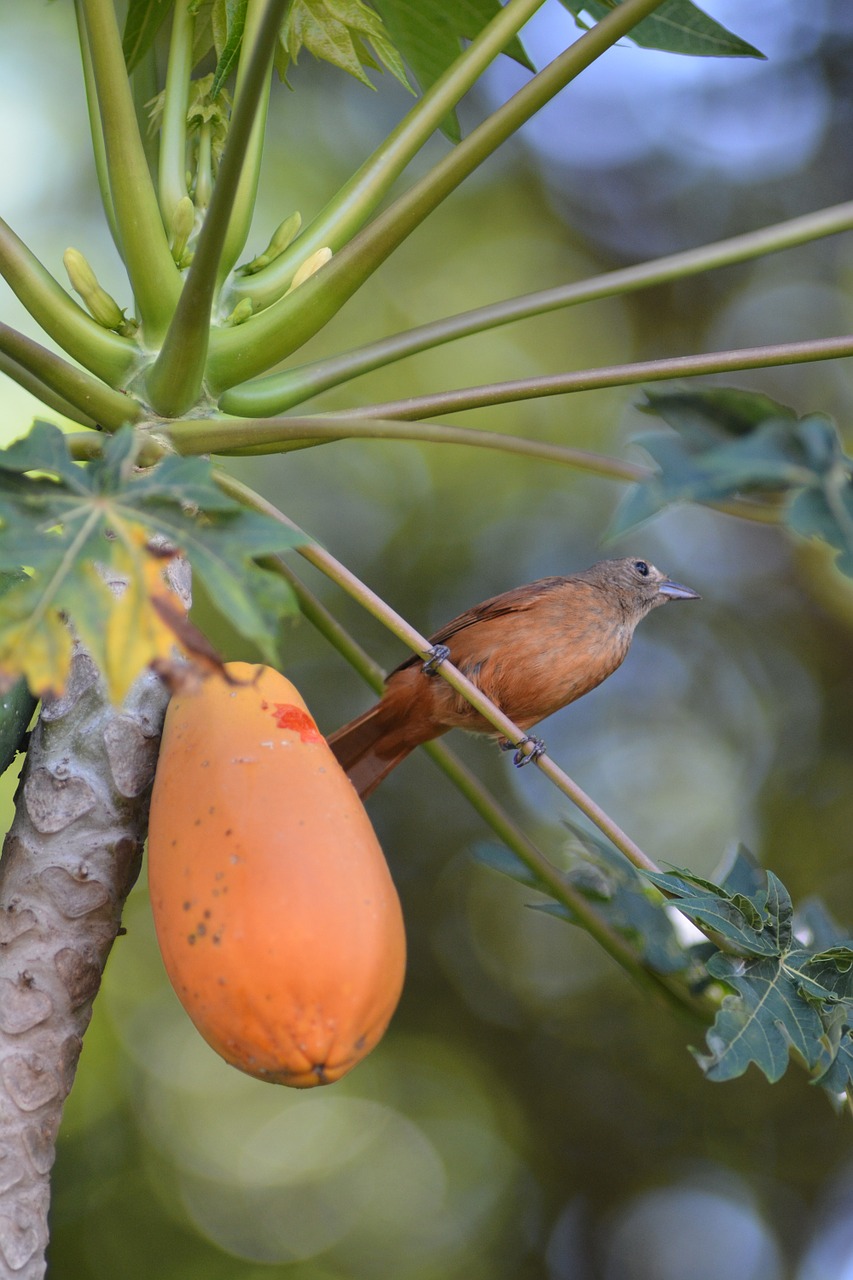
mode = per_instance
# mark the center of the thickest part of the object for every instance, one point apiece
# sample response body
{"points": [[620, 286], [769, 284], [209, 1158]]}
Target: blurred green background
{"points": [[529, 1112]]}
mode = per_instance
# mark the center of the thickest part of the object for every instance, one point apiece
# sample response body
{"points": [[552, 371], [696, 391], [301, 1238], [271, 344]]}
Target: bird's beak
{"points": [[675, 591]]}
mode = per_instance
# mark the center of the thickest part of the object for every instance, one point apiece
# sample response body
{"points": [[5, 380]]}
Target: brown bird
{"points": [[531, 650]]}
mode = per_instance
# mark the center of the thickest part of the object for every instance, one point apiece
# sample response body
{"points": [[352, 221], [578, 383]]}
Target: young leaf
{"points": [[826, 512], [76, 529], [676, 27], [229, 21], [760, 924], [730, 443], [786, 995], [338, 31], [143, 21], [713, 414], [793, 1001], [770, 459], [760, 1024]]}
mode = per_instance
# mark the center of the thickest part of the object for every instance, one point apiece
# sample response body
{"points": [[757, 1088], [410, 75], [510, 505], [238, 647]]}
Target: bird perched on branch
{"points": [[531, 651]]}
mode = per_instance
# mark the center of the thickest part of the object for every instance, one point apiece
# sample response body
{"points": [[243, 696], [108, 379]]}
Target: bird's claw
{"points": [[438, 653], [522, 757]]}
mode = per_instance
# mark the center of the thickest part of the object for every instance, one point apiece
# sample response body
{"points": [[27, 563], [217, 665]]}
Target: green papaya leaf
{"points": [[74, 526], [676, 27], [143, 21]]}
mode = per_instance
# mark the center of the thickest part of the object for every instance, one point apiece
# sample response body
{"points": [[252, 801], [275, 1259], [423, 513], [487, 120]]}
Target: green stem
{"points": [[495, 816], [279, 391], [103, 352], [100, 403], [95, 127], [249, 436], [30, 382], [247, 188], [376, 606], [289, 323], [145, 85], [154, 278], [175, 380], [243, 401], [358, 198], [173, 130], [203, 189]]}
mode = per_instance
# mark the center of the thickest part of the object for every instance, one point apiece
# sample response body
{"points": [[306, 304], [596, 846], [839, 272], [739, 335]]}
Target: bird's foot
{"points": [[438, 653], [536, 746]]}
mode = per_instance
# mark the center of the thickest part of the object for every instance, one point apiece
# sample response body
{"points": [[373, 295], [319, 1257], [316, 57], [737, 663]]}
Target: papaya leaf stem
{"points": [[282, 328], [154, 278], [175, 379]]}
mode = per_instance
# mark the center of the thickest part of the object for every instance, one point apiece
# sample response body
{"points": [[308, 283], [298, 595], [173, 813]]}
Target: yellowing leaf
{"points": [[79, 529]]}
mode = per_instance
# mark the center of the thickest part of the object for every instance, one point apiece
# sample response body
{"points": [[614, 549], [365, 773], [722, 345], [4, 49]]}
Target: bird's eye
{"points": [[642, 568]]}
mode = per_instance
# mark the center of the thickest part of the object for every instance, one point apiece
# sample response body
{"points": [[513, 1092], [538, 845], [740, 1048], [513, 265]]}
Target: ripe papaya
{"points": [[276, 915]]}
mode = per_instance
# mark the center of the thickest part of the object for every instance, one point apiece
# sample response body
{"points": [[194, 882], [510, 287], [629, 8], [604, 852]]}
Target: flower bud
{"points": [[183, 221], [241, 312], [311, 264], [99, 303], [282, 237]]}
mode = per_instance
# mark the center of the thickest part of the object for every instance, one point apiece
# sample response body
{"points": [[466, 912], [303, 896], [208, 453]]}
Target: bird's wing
{"points": [[517, 600]]}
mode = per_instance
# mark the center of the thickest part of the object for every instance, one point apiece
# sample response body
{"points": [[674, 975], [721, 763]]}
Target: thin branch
{"points": [[277, 392], [249, 436], [241, 400], [100, 403], [357, 199], [252, 437], [288, 324], [175, 380]]}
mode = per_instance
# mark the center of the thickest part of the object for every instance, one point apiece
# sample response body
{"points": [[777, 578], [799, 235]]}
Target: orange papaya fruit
{"points": [[276, 915]]}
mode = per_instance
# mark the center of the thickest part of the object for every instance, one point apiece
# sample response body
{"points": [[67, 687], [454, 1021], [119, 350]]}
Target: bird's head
{"points": [[637, 585]]}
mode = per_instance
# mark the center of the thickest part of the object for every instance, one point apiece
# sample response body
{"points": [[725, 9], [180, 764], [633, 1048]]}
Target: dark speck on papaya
{"points": [[187, 905], [201, 929]]}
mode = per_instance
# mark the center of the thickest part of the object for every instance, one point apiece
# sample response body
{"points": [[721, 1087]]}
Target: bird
{"points": [[531, 650]]}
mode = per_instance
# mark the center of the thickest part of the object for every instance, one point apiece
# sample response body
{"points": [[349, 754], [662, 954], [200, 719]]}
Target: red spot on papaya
{"points": [[288, 716]]}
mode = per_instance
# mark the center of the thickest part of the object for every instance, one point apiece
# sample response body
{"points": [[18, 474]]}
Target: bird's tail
{"points": [[363, 751]]}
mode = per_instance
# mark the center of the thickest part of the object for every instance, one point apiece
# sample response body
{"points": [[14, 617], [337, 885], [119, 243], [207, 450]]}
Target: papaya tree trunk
{"points": [[70, 859]]}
